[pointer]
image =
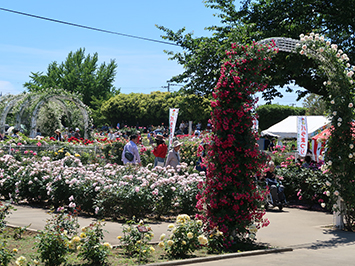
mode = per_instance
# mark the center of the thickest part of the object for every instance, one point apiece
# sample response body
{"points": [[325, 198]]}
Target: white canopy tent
{"points": [[287, 128]]}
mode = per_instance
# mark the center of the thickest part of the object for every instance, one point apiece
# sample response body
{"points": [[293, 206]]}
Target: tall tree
{"points": [[315, 105], [256, 20], [153, 108], [80, 74]]}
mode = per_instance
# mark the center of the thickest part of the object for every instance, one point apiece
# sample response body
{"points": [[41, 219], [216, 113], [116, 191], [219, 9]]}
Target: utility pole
{"points": [[169, 84]]}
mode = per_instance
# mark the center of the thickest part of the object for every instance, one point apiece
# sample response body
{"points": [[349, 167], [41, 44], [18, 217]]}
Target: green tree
{"points": [[79, 74], [315, 105], [257, 20], [270, 114], [153, 108], [202, 56]]}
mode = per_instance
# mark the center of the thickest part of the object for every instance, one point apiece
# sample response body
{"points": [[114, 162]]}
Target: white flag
{"points": [[302, 136], [173, 114]]}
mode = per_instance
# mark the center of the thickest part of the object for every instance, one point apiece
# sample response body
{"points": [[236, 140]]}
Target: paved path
{"points": [[308, 233], [25, 215]]}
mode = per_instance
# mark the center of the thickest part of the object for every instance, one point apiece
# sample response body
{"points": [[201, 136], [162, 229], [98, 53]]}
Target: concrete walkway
{"points": [[309, 233], [37, 217]]}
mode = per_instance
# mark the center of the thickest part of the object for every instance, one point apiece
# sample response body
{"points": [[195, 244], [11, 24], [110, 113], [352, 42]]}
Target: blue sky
{"points": [[29, 44]]}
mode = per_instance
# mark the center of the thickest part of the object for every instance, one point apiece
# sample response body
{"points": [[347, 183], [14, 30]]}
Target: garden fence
{"points": [[11, 149]]}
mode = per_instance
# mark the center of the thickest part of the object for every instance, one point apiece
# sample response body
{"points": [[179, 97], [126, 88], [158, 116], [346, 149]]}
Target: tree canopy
{"points": [[153, 108], [257, 20], [80, 74]]}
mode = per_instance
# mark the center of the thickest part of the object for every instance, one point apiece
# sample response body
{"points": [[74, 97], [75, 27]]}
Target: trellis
{"points": [[38, 100]]}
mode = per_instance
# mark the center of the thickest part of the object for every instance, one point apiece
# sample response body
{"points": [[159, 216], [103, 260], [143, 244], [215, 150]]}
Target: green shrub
{"points": [[186, 237], [135, 241], [270, 114], [91, 248]]}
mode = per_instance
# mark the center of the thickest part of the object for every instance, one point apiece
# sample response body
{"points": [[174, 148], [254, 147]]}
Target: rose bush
{"points": [[231, 200], [109, 190], [334, 63]]}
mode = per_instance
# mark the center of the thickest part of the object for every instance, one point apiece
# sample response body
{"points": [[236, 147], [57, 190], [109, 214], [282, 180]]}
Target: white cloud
{"points": [[7, 87]]}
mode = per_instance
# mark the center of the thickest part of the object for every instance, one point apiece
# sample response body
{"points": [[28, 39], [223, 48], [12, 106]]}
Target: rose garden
{"points": [[220, 210]]}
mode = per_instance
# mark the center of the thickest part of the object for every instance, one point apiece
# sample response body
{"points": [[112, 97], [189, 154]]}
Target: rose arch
{"points": [[34, 102], [230, 200]]}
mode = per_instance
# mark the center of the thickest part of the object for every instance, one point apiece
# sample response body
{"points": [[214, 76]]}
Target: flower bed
{"points": [[110, 190]]}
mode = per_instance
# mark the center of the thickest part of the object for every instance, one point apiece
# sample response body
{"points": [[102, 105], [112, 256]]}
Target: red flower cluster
{"points": [[80, 141], [231, 200]]}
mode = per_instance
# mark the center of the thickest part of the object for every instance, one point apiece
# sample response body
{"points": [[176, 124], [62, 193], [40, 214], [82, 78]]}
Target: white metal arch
{"points": [[47, 98], [283, 44]]}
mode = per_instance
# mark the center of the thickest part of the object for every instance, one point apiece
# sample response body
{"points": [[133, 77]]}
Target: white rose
{"points": [[322, 204], [327, 193], [322, 38], [347, 65], [303, 39], [351, 146], [302, 52], [350, 155], [339, 119], [301, 35], [332, 102], [350, 105], [311, 34], [338, 55], [339, 124], [336, 193], [316, 38], [321, 49], [340, 51], [327, 43], [335, 113], [304, 47]]}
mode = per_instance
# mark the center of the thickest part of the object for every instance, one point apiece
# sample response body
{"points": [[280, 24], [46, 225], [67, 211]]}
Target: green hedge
{"points": [[274, 113]]}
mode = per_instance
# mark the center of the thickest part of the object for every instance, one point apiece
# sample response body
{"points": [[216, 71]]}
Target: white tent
{"points": [[287, 128]]}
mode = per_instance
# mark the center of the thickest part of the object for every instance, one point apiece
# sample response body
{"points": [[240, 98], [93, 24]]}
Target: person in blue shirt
{"points": [[132, 147]]}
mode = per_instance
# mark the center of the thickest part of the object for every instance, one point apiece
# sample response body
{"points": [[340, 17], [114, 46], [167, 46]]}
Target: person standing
{"points": [[15, 133], [77, 133], [174, 156], [58, 135], [132, 148], [160, 150], [272, 145]]}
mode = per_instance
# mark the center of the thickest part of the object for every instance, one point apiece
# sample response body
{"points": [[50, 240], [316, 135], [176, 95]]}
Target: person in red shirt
{"points": [[160, 150]]}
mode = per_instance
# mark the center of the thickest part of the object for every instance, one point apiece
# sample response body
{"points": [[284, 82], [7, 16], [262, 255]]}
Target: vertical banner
{"points": [[173, 114], [255, 124], [302, 135]]}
